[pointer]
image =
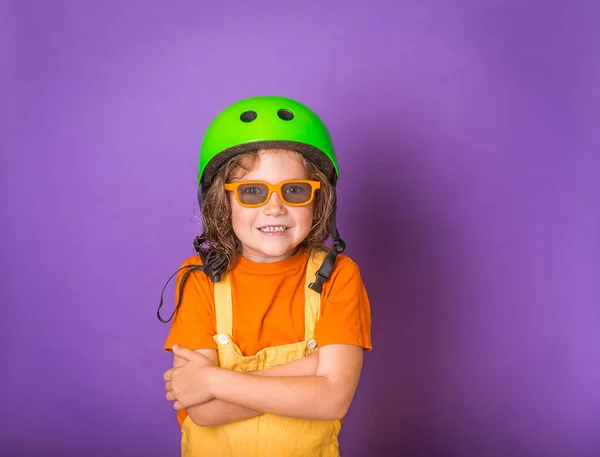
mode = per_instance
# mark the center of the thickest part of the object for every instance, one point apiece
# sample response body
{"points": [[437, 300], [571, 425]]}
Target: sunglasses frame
{"points": [[233, 187]]}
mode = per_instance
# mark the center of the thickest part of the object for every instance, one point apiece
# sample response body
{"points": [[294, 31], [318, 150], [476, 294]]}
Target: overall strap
{"points": [[223, 305], [312, 299]]}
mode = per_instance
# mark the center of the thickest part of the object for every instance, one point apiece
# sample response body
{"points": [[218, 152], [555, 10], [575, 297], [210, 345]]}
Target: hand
{"points": [[187, 385]]}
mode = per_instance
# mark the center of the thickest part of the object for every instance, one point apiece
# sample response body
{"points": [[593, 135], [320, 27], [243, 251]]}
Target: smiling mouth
{"points": [[273, 229]]}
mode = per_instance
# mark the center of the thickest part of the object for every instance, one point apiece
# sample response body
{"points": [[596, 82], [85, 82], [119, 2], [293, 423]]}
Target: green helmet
{"points": [[265, 122]]}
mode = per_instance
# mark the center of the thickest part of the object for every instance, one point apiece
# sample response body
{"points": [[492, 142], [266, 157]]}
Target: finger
{"points": [[168, 385], [177, 406], [170, 395], [185, 353], [167, 375]]}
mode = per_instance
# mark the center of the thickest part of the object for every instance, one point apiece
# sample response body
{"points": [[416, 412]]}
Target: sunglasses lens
{"points": [[252, 193], [296, 192]]}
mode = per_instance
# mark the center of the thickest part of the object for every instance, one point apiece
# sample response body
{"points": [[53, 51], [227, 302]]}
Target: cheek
{"points": [[305, 214], [241, 217]]}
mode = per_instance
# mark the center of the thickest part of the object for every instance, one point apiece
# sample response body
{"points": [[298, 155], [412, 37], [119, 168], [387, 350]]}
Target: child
{"points": [[270, 329]]}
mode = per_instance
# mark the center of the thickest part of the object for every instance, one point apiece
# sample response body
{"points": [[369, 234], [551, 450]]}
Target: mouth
{"points": [[273, 229]]}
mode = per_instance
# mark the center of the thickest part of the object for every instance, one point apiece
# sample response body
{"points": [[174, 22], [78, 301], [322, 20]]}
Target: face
{"points": [[272, 232]]}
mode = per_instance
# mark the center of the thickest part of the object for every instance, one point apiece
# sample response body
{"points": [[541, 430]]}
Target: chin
{"points": [[277, 251], [273, 251]]}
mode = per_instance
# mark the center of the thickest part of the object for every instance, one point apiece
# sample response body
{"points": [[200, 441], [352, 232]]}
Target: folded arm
{"points": [[218, 412], [326, 395]]}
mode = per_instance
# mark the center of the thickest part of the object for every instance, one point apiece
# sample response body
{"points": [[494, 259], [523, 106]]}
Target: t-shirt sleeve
{"points": [[193, 324], [346, 311]]}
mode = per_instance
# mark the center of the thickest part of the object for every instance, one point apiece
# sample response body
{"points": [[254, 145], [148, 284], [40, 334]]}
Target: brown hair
{"points": [[216, 207]]}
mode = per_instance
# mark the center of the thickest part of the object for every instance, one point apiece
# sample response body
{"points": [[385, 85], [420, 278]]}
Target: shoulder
{"points": [[193, 286], [192, 260], [192, 267], [346, 272], [346, 310], [345, 265]]}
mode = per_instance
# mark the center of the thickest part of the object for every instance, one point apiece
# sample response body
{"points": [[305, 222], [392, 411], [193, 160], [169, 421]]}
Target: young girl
{"points": [[270, 326]]}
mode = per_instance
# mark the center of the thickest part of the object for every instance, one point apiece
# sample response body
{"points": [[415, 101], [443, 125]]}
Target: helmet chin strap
{"points": [[213, 266], [338, 247]]}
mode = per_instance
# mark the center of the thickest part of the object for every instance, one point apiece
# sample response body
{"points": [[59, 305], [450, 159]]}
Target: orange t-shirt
{"points": [[268, 306]]}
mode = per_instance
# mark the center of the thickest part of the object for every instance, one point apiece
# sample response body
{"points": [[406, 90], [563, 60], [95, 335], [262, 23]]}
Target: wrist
{"points": [[212, 381]]}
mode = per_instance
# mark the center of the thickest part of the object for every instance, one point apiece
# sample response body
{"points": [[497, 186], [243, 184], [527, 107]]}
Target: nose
{"points": [[275, 206]]}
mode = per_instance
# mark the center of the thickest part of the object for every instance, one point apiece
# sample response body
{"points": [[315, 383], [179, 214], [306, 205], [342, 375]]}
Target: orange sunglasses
{"points": [[296, 192]]}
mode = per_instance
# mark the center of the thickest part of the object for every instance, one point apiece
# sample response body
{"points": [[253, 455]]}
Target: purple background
{"points": [[468, 136]]}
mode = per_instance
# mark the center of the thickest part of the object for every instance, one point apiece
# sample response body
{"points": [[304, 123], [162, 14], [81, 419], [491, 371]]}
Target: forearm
{"points": [[303, 397], [219, 412], [306, 366]]}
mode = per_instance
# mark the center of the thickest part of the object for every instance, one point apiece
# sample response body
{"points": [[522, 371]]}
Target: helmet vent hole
{"points": [[248, 116], [285, 114]]}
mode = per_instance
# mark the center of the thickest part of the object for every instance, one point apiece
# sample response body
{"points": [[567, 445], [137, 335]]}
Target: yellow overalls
{"points": [[266, 435]]}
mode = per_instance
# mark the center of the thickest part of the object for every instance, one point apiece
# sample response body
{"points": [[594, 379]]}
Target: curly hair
{"points": [[216, 208]]}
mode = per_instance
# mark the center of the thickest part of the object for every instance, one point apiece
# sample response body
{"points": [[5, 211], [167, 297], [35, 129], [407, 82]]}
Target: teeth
{"points": [[273, 229]]}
